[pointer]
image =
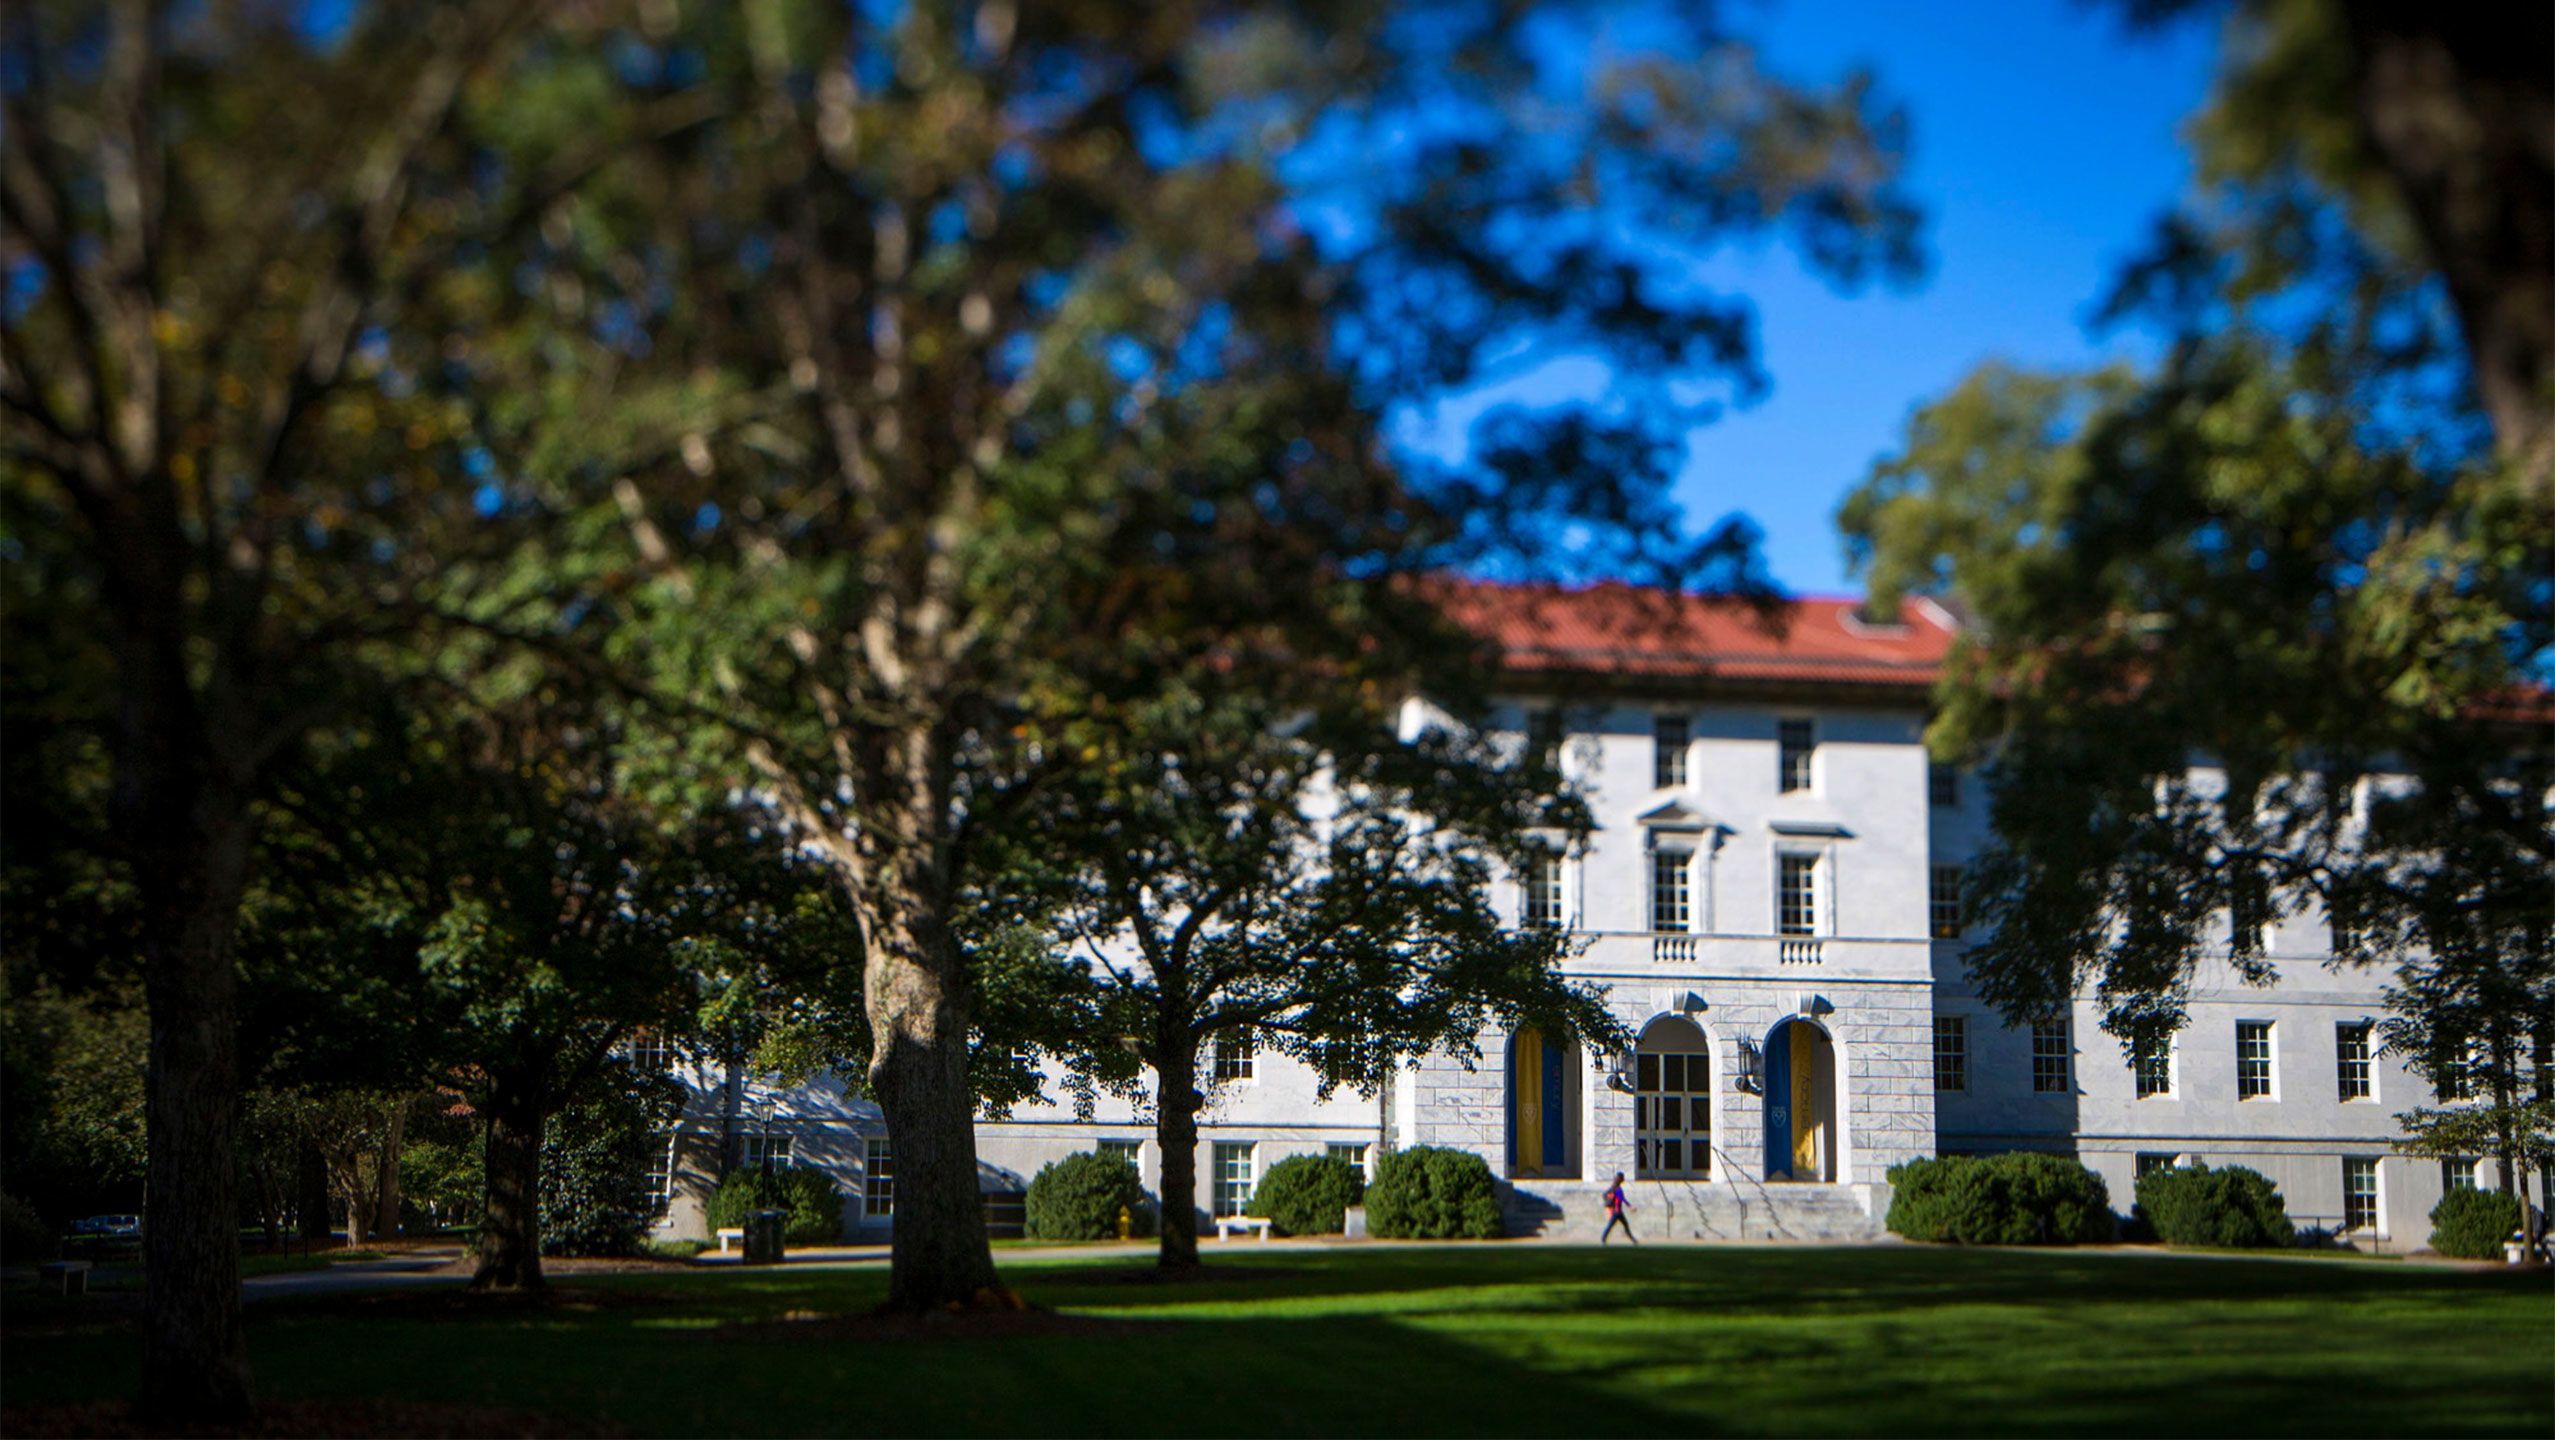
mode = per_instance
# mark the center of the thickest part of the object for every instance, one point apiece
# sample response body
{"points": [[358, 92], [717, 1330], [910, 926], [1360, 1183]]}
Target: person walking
{"points": [[1616, 1206]]}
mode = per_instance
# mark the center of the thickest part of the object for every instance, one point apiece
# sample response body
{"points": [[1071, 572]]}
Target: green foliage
{"points": [[1080, 1197], [2016, 1198], [2231, 1206], [73, 1097], [1308, 1194], [24, 1236], [1431, 1192], [2291, 546], [594, 1185], [2474, 1224], [443, 1181], [2521, 1127], [813, 1200]]}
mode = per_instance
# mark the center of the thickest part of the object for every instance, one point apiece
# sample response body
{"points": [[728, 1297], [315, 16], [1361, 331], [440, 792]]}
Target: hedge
{"points": [[1428, 1192], [2473, 1224], [1080, 1197], [1308, 1194], [814, 1201], [2234, 1206], [2016, 1198]]}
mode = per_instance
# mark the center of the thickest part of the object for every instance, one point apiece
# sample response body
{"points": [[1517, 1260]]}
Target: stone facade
{"points": [[1800, 817]]}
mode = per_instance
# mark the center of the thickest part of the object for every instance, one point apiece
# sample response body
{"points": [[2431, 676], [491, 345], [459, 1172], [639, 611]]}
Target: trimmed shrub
{"points": [[814, 1201], [2200, 1206], [2472, 1224], [1079, 1197], [2017, 1198], [1308, 1194], [24, 1237], [1429, 1192]]}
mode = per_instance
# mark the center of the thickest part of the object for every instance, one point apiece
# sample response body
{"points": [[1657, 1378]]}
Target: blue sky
{"points": [[2045, 145]]}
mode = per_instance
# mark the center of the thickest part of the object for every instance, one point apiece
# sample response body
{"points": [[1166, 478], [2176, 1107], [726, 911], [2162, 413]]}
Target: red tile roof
{"points": [[1626, 630]]}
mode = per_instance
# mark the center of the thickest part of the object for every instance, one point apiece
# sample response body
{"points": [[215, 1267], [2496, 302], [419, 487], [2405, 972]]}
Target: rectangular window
{"points": [[2459, 1076], [2051, 1054], [2352, 1073], [661, 1168], [878, 1178], [1668, 757], [1942, 786], [1542, 909], [650, 1055], [2359, 1192], [2457, 1173], [1233, 1175], [1671, 890], [2153, 1065], [1798, 741], [1943, 903], [2151, 1161], [1951, 1052], [1543, 733], [752, 1145], [1131, 1151], [1353, 1154], [2249, 915], [1796, 909], [2253, 1059], [2341, 924], [1236, 1057]]}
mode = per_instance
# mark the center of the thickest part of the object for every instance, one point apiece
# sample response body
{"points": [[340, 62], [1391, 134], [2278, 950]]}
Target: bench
{"points": [[735, 1233], [1225, 1225], [66, 1277]]}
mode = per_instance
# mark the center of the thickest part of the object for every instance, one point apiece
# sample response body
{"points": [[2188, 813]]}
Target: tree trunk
{"points": [[1175, 1130], [359, 1208], [914, 988], [310, 1188], [386, 1186], [919, 1071], [194, 1358], [2506, 1163], [2458, 104], [2542, 1064], [270, 1215], [510, 1224]]}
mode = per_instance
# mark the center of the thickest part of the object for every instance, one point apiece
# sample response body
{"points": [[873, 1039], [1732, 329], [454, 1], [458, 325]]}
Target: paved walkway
{"points": [[420, 1268]]}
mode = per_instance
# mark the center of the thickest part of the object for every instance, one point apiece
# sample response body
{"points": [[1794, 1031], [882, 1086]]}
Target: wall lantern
{"points": [[1751, 1068], [1619, 1072]]}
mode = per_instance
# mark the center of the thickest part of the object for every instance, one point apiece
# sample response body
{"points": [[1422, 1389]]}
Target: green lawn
{"points": [[1466, 1341]]}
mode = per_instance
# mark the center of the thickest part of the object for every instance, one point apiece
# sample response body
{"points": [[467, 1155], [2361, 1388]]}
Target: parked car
{"points": [[110, 1227]]}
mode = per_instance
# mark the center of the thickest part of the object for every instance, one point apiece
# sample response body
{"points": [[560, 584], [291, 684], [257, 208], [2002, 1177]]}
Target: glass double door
{"points": [[1672, 1125]]}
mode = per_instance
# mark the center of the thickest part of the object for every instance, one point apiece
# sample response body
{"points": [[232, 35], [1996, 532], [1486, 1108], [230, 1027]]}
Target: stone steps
{"points": [[1683, 1210]]}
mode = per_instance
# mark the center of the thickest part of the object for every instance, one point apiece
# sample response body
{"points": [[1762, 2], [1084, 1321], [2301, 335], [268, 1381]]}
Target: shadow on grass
{"points": [[1490, 1341]]}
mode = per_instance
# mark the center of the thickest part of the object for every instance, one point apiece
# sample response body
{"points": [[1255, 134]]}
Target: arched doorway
{"points": [[1800, 1103], [1543, 1106], [1672, 1102]]}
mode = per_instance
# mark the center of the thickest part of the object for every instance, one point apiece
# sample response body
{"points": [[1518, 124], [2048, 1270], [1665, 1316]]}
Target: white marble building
{"points": [[1767, 900]]}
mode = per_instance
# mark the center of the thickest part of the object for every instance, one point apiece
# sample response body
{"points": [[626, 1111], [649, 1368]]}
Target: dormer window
{"points": [[1671, 739], [1798, 742]]}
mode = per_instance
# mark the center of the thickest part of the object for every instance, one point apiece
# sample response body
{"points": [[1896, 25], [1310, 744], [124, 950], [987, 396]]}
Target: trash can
{"points": [[763, 1236]]}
